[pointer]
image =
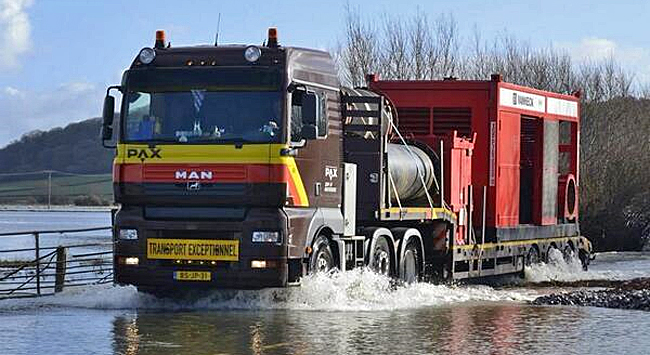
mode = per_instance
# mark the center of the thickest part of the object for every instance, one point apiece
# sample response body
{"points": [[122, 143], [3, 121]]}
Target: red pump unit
{"points": [[524, 147]]}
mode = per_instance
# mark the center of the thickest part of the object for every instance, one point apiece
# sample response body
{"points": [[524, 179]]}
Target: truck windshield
{"points": [[199, 115]]}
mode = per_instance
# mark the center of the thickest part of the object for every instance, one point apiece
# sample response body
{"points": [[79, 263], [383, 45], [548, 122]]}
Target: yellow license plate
{"points": [[193, 249], [192, 275]]}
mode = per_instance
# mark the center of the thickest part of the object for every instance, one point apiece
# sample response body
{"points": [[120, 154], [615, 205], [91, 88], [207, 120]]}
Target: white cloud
{"points": [[14, 31], [26, 110], [593, 48], [12, 91], [634, 59]]}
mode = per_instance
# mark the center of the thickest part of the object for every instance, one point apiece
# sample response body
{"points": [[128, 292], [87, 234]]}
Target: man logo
{"points": [[193, 186], [193, 175]]}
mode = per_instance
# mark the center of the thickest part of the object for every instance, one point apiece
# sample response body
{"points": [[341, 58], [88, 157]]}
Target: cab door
{"points": [[318, 142]]}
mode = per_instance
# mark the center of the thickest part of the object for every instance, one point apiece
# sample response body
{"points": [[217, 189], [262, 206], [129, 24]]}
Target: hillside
{"points": [[73, 149], [61, 189]]}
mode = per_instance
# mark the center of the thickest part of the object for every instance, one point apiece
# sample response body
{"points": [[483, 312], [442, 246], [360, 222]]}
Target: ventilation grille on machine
{"points": [[414, 120], [448, 119], [528, 141]]}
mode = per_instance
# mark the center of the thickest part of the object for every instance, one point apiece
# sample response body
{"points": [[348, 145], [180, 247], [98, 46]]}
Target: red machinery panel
{"points": [[430, 110], [507, 169]]}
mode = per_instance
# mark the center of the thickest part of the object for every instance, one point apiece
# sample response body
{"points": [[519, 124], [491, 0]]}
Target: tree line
{"points": [[615, 117], [75, 148]]}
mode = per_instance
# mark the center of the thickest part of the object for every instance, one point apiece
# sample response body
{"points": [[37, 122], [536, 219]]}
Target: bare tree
{"points": [[359, 54], [443, 59], [395, 58], [420, 46]]}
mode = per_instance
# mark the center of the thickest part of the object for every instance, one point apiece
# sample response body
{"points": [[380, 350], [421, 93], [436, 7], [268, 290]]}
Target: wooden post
{"points": [[61, 258], [49, 190], [38, 264]]}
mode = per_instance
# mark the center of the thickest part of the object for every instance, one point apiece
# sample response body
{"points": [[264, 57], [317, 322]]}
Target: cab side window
{"points": [[296, 116], [297, 120], [321, 119]]}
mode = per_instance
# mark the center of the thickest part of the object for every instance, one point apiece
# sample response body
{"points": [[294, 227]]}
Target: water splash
{"points": [[557, 269], [607, 266], [357, 290]]}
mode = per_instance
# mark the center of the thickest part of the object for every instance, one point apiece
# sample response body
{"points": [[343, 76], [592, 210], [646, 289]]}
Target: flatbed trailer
{"points": [[251, 166]]}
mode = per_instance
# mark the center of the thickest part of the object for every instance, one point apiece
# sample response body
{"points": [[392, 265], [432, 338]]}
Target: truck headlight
{"points": [[128, 234], [266, 237]]}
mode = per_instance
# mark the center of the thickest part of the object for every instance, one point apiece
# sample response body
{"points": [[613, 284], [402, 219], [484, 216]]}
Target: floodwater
{"points": [[355, 312]]}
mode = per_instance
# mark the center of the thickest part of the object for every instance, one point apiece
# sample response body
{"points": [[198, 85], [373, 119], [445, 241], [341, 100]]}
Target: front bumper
{"points": [[162, 278], [158, 274]]}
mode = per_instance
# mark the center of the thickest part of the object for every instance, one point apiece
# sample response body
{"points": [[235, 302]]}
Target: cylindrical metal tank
{"points": [[405, 162], [409, 166]]}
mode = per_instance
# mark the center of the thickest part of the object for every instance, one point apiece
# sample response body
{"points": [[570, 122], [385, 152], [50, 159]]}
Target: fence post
{"points": [[61, 256], [38, 264], [49, 189]]}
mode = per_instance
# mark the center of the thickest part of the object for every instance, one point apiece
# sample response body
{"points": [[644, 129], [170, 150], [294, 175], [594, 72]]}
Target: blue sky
{"points": [[57, 56]]}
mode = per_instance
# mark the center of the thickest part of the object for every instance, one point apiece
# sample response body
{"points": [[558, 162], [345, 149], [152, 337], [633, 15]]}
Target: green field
{"points": [[65, 189]]}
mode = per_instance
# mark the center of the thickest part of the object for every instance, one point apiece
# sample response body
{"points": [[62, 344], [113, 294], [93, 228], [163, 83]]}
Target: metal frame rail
{"points": [[54, 267]]}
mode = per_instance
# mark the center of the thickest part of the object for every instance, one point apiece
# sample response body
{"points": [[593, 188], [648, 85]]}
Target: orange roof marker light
{"points": [[272, 37], [160, 40]]}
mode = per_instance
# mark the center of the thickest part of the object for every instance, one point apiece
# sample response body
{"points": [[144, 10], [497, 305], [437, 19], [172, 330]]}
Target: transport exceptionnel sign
{"points": [[193, 249], [538, 103]]}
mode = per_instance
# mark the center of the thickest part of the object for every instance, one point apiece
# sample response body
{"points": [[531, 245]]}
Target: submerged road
{"points": [[348, 313]]}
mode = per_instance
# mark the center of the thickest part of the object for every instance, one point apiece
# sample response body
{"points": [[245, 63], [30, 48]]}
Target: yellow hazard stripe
{"points": [[302, 198], [519, 243], [197, 154], [435, 212]]}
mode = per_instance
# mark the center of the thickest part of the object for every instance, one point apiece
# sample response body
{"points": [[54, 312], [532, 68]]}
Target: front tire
{"points": [[322, 258]]}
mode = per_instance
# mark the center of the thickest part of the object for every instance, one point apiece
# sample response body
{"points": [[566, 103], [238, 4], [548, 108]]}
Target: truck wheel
{"points": [[584, 259], [568, 253], [380, 259], [322, 259], [410, 264], [532, 257], [553, 249]]}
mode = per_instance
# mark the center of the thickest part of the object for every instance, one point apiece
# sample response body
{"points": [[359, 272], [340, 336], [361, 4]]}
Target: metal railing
{"points": [[54, 267]]}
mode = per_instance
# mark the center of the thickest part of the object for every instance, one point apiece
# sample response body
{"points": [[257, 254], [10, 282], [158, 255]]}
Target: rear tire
{"points": [[322, 258], [584, 259], [551, 250], [532, 257], [380, 257], [410, 264], [569, 254]]}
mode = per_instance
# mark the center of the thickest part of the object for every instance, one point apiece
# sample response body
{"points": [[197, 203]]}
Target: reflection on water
{"points": [[475, 329]]}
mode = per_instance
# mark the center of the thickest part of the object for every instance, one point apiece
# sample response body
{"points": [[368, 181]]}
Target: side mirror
{"points": [[309, 109], [309, 131], [108, 113]]}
